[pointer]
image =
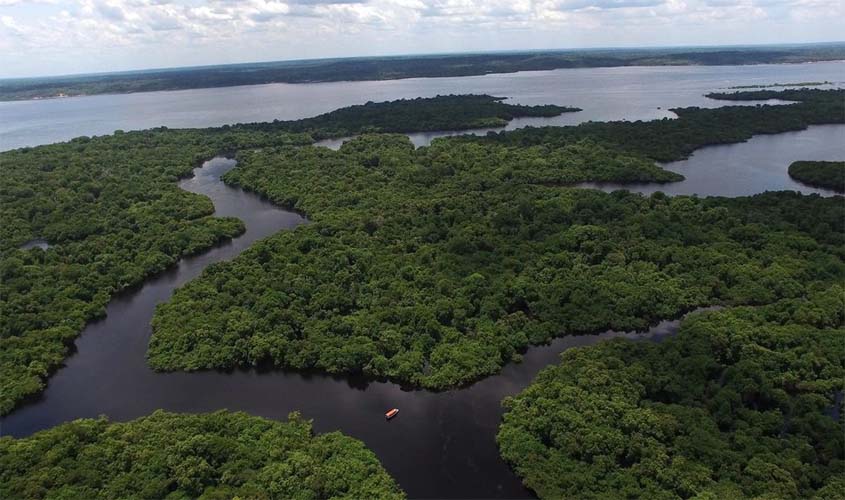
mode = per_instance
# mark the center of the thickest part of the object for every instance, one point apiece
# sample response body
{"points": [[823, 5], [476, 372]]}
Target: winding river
{"points": [[442, 445]]}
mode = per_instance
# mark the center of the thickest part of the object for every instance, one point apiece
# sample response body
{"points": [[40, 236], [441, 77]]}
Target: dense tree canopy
{"points": [[110, 210], [212, 456], [823, 174], [435, 266], [738, 405], [113, 215]]}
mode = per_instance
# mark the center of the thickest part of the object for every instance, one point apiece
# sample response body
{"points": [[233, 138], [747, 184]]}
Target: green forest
{"points": [[436, 266], [823, 174], [111, 210], [737, 405], [217, 455]]}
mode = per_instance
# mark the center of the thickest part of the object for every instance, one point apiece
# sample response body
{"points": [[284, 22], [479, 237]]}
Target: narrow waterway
{"points": [[441, 445]]}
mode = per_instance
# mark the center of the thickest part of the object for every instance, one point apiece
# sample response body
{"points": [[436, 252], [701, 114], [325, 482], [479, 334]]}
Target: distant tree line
{"points": [[675, 139], [446, 112], [396, 67]]}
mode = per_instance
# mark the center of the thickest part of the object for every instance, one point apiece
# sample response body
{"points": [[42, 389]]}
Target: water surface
{"points": [[747, 168], [630, 93]]}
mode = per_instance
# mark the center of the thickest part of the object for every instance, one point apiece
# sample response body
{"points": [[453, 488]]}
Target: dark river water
{"points": [[440, 445]]}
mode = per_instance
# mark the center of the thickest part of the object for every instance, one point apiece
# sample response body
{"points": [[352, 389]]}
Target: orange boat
{"points": [[392, 413]]}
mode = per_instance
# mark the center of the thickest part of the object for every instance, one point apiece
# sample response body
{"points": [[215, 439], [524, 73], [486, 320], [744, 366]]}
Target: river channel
{"points": [[441, 445]]}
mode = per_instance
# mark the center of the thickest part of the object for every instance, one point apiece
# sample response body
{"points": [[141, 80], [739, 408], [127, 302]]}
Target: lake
{"points": [[625, 93]]}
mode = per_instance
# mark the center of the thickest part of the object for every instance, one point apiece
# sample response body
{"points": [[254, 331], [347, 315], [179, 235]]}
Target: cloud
{"points": [[8, 3], [84, 35], [111, 11], [606, 4]]}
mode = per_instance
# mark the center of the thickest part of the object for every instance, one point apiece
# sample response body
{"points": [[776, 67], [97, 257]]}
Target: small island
{"points": [[821, 174]]}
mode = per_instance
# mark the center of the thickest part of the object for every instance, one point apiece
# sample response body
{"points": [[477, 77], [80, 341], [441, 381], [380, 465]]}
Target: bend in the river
{"points": [[443, 444]]}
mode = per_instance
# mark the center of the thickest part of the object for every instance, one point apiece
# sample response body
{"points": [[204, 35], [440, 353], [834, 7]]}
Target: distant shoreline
{"points": [[400, 68]]}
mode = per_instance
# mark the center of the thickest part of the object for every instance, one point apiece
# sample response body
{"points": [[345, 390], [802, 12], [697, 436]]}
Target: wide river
{"points": [[632, 93], [442, 444]]}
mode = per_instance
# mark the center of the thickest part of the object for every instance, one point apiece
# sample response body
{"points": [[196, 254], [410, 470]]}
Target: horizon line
{"points": [[414, 54]]}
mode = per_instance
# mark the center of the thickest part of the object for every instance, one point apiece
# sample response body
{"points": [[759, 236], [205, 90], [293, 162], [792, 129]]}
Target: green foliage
{"points": [[735, 406], [823, 174], [435, 266], [399, 231], [218, 455]]}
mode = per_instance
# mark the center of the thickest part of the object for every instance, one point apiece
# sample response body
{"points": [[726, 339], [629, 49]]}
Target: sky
{"points": [[52, 37]]}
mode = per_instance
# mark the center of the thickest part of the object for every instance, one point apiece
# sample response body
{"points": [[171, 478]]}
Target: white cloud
{"points": [[50, 36]]}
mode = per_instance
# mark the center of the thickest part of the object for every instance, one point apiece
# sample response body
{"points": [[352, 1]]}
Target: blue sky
{"points": [[48, 37]]}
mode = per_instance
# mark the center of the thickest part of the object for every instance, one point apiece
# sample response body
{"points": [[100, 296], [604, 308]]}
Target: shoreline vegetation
{"points": [[822, 174], [170, 455], [400, 67]]}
